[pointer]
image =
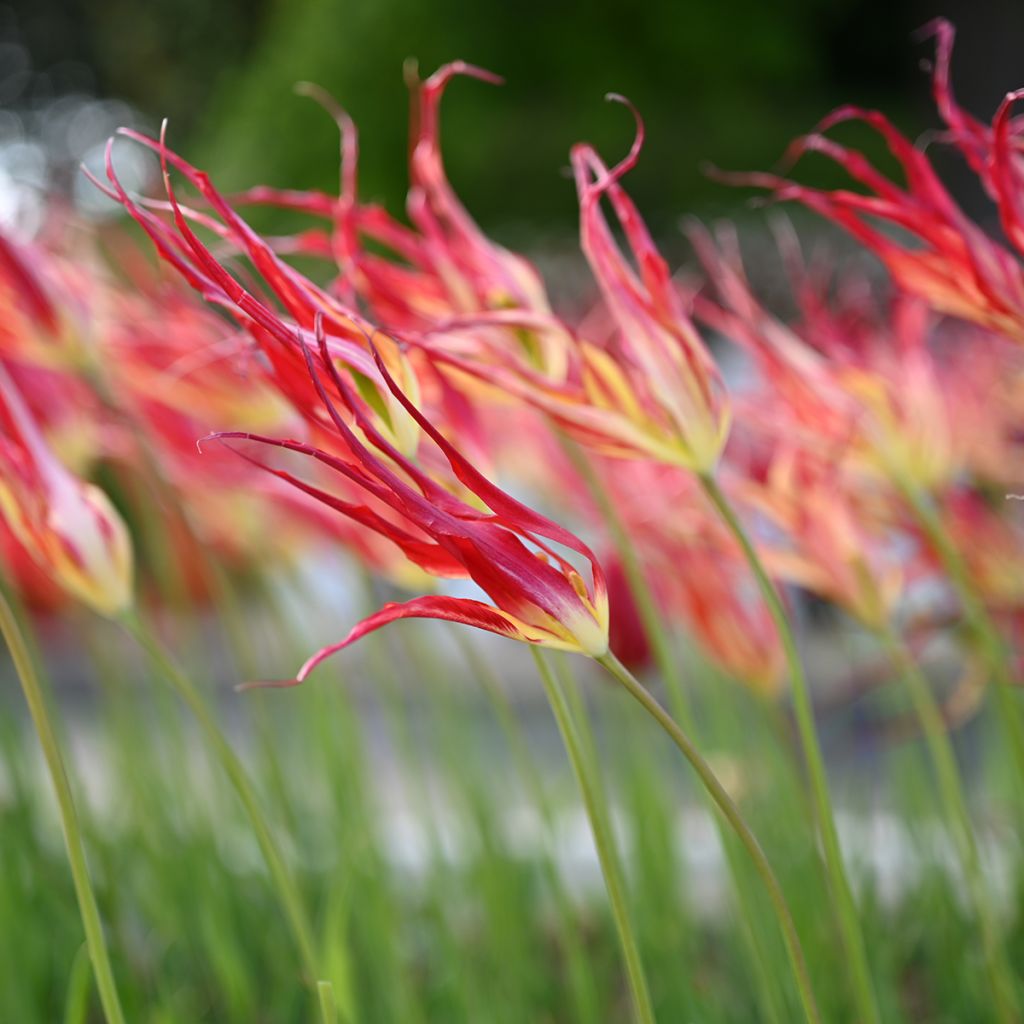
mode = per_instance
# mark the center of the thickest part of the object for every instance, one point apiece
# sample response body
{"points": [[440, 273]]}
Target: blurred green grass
{"points": [[444, 883], [726, 85]]}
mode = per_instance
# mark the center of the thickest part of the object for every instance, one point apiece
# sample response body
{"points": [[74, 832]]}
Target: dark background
{"points": [[729, 83]]}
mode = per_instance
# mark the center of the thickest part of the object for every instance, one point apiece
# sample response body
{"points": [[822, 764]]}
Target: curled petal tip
{"points": [[215, 436], [317, 93], [461, 67], [628, 162], [940, 27]]}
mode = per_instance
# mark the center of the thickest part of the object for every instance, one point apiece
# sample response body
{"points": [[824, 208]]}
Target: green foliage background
{"points": [[725, 83]]}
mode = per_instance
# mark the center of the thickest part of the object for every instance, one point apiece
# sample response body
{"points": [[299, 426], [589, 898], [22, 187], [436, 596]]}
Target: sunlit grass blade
{"points": [[70, 825]]}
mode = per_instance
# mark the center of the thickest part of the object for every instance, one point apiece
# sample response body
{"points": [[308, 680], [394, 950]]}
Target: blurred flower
{"points": [[947, 259], [627, 635], [718, 599], [853, 373], [992, 543], [832, 543], [662, 364], [44, 303], [698, 574], [652, 390], [282, 340], [67, 525]]}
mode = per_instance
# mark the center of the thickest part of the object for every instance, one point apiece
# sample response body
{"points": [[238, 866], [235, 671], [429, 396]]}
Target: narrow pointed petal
{"points": [[452, 609]]}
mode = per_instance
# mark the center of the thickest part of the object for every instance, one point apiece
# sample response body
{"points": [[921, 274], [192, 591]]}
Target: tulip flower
{"points": [[538, 596], [67, 525], [478, 274], [448, 274]]}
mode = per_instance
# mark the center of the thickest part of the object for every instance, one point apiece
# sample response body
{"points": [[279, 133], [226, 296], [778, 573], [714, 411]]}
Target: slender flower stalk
{"points": [[70, 826], [328, 1006], [849, 922], [578, 967], [667, 665], [954, 803], [604, 841], [732, 814], [281, 876]]}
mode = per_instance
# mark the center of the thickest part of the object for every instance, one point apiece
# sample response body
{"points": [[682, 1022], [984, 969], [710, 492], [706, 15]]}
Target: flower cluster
{"points": [[429, 358]]}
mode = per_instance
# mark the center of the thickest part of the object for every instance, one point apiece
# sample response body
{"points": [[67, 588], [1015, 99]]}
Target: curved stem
{"points": [[977, 617], [328, 1007], [600, 828], [849, 923], [281, 877], [943, 758], [91, 922], [668, 668], [584, 1000], [725, 804]]}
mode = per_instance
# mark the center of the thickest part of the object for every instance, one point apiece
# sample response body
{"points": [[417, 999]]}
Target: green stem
{"points": [[668, 668], [977, 617], [328, 1007], [849, 923], [281, 877], [725, 804], [947, 775], [31, 687], [603, 841], [76, 1004], [580, 982]]}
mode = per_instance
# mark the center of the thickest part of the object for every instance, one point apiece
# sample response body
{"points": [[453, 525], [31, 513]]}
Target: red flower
{"points": [[652, 391], [836, 541], [281, 339], [852, 374], [661, 360], [502, 545], [68, 526], [947, 258]]}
